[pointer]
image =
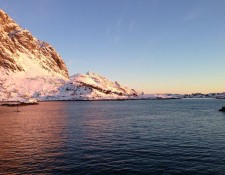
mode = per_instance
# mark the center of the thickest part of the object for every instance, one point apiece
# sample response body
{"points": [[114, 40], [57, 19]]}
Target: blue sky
{"points": [[156, 46]]}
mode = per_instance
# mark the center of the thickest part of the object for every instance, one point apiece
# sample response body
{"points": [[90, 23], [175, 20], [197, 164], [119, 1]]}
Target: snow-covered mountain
{"points": [[31, 68], [90, 86], [20, 52]]}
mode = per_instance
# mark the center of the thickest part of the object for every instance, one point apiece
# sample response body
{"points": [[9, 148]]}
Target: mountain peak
{"points": [[19, 51], [3, 15]]}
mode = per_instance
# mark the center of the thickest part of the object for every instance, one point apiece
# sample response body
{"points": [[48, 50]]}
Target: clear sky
{"points": [[156, 46]]}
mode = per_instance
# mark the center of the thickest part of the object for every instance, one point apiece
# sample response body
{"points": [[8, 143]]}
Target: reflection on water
{"points": [[117, 137], [31, 137]]}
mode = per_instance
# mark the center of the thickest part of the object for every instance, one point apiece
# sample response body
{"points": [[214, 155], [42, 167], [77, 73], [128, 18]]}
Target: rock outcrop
{"points": [[19, 49]]}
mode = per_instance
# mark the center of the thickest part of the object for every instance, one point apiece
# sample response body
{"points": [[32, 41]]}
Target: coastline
{"points": [[4, 103]]}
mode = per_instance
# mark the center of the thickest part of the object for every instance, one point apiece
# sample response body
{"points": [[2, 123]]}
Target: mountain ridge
{"points": [[18, 45]]}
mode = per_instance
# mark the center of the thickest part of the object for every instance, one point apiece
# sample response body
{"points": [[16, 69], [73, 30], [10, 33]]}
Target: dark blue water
{"points": [[114, 137]]}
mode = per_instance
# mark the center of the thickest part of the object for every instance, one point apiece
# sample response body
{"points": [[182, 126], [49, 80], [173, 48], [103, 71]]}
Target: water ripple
{"points": [[128, 137]]}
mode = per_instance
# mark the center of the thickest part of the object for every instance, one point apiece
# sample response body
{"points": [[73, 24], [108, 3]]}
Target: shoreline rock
{"points": [[222, 109]]}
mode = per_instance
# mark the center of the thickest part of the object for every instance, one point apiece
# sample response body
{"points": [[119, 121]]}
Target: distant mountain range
{"points": [[31, 68]]}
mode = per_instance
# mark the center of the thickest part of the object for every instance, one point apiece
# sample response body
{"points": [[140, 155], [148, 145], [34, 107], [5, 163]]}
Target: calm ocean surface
{"points": [[114, 137]]}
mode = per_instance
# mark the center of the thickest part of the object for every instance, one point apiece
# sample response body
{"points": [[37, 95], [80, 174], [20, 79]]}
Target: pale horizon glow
{"points": [[155, 46]]}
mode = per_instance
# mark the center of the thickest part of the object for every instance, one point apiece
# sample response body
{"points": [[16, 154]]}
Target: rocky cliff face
{"points": [[19, 51]]}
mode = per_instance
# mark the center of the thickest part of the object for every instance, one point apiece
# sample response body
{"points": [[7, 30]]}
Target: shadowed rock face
{"points": [[15, 41]]}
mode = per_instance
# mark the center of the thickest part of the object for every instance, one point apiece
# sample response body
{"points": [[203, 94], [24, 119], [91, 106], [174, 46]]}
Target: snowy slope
{"points": [[102, 84], [27, 65], [88, 86]]}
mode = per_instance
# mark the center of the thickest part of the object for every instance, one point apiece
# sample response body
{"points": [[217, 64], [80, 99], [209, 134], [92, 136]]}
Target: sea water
{"points": [[114, 137]]}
